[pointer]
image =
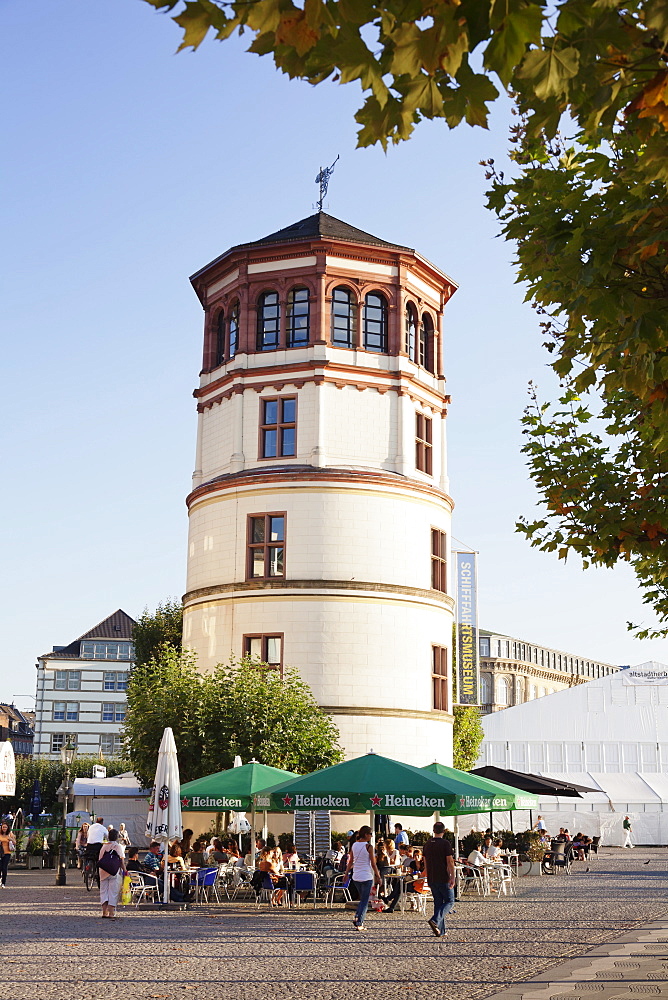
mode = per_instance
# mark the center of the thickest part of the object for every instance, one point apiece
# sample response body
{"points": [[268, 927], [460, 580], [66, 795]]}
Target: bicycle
{"points": [[90, 874]]}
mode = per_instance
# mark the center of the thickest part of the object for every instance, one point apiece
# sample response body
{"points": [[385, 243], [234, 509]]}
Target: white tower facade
{"points": [[320, 514]]}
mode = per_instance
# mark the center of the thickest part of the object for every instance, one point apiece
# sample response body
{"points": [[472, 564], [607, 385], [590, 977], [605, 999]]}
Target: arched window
{"points": [[375, 322], [532, 691], [503, 691], [426, 344], [411, 331], [234, 329], [297, 316], [343, 317], [268, 321], [220, 338], [486, 689], [518, 690]]}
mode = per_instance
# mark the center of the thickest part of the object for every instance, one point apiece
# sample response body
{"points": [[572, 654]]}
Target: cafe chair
{"points": [[205, 884], [143, 888], [593, 847], [305, 882], [501, 880], [340, 884], [268, 891], [471, 877]]}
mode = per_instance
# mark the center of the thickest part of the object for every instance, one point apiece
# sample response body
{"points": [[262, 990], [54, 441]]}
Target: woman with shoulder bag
{"points": [[7, 845], [111, 866]]}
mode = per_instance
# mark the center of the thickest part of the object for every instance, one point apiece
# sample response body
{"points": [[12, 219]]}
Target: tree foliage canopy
{"points": [[447, 58], [156, 628], [588, 213], [467, 737], [244, 707]]}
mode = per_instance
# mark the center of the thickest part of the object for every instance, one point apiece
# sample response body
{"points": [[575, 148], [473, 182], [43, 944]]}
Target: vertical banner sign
{"points": [[468, 678]]}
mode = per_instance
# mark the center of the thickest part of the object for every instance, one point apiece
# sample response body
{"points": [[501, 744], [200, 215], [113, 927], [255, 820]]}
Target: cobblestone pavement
{"points": [[54, 946]]}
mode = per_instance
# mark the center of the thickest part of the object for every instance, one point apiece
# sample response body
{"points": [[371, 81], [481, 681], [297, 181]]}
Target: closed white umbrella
{"points": [[7, 770], [164, 811]]}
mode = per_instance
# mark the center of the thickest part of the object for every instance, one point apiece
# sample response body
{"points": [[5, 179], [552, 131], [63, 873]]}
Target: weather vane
{"points": [[323, 180]]}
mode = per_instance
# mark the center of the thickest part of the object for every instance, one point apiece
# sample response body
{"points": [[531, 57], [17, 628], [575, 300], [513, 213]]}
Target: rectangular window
{"points": [[72, 712], [107, 650], [108, 711], [115, 680], [266, 546], [423, 443], [57, 742], [60, 680], [484, 646], [67, 680], [439, 677], [268, 648], [110, 680], [111, 744], [278, 428], [59, 711], [439, 560]]}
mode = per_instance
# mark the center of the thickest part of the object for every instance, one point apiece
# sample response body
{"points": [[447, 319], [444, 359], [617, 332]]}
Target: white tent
{"points": [[610, 734], [120, 799]]}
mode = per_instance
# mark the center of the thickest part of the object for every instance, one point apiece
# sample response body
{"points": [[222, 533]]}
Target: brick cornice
{"points": [[323, 368], [294, 477]]}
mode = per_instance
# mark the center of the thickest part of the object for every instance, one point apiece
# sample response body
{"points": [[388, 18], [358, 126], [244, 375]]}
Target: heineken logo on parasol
{"points": [[210, 802], [481, 802], [409, 801]]}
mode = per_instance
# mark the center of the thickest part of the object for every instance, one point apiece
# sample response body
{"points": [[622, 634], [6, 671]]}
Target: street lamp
{"points": [[67, 755]]}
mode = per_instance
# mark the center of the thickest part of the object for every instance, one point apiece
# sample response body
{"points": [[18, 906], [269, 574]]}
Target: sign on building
{"points": [[99, 771], [646, 674], [468, 674]]}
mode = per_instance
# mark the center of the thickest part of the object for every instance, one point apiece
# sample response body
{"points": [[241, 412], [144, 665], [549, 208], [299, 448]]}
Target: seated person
{"points": [[216, 853], [563, 836], [233, 854], [174, 858], [476, 858], [493, 852], [196, 857], [486, 845], [406, 857], [290, 857], [132, 862], [578, 846], [153, 857], [269, 863]]}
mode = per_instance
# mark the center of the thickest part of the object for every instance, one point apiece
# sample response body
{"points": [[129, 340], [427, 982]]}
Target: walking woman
{"points": [[365, 872], [110, 885], [81, 842], [7, 845]]}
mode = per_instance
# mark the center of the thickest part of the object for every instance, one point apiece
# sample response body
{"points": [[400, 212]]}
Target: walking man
{"points": [[440, 862], [628, 829]]}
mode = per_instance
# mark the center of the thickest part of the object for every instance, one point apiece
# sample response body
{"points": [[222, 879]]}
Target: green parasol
{"points": [[232, 789], [378, 784]]}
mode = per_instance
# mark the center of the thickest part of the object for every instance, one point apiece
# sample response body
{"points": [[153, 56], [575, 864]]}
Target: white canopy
{"points": [[610, 734], [121, 784]]}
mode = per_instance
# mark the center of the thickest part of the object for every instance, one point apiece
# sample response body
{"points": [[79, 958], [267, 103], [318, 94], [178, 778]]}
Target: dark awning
{"points": [[538, 784]]}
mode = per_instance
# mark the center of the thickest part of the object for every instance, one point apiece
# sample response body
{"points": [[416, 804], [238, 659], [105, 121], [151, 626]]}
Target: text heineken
{"points": [[415, 802], [209, 802], [321, 802]]}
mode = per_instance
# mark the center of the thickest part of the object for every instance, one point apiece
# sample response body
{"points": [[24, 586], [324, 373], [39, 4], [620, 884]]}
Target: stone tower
{"points": [[320, 515]]}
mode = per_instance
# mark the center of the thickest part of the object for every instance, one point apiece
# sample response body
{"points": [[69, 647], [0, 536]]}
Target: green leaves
{"points": [[549, 70], [467, 737], [241, 708], [516, 26]]}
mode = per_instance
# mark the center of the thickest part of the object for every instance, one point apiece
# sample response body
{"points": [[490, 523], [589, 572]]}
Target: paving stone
{"points": [[545, 942]]}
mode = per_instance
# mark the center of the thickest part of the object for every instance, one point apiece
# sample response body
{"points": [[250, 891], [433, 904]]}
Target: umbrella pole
{"points": [[252, 843], [165, 874], [372, 824], [511, 821], [531, 819], [264, 827], [491, 822]]}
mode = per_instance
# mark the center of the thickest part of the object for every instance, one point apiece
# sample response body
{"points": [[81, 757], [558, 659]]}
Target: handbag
{"points": [[109, 862]]}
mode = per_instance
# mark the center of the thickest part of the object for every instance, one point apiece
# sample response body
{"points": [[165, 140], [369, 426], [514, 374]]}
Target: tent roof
{"points": [[119, 785]]}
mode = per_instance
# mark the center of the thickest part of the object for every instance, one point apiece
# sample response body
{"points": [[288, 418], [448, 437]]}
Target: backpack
{"points": [[109, 862]]}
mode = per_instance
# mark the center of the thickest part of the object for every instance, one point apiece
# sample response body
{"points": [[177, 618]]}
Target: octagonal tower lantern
{"points": [[320, 509]]}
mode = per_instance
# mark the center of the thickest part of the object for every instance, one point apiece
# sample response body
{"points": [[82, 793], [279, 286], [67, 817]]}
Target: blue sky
{"points": [[126, 168]]}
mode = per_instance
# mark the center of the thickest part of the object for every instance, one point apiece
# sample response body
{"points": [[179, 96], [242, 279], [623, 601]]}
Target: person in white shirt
{"points": [[97, 836], [477, 859], [493, 852]]}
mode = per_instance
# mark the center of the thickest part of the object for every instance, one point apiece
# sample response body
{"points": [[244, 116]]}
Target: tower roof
{"points": [[318, 226], [322, 224]]}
